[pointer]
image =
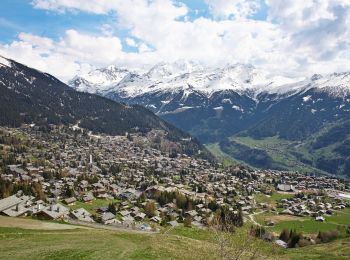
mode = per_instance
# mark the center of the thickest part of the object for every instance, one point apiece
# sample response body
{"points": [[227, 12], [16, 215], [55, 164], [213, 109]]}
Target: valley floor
{"points": [[32, 239]]}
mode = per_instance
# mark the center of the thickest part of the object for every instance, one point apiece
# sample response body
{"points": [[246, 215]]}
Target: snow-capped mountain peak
{"points": [[99, 80], [191, 76], [177, 68]]}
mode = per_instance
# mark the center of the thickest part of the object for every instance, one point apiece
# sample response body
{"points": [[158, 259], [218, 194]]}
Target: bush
{"points": [[304, 242], [284, 236], [257, 231], [294, 239], [150, 209], [188, 222], [327, 236]]}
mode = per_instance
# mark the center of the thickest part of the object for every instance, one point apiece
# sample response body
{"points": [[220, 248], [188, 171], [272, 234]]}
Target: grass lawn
{"points": [[97, 244], [192, 233], [307, 226], [272, 200], [180, 243], [338, 249], [93, 205], [276, 218], [341, 217]]}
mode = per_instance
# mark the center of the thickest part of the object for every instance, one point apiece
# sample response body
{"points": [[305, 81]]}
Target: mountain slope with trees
{"points": [[30, 96]]}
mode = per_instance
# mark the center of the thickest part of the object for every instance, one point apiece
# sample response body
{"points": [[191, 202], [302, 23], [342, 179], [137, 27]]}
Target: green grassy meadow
{"points": [[93, 205], [180, 243]]}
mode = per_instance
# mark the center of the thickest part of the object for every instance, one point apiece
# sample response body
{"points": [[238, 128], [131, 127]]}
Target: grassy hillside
{"points": [[181, 243], [325, 152], [310, 156]]}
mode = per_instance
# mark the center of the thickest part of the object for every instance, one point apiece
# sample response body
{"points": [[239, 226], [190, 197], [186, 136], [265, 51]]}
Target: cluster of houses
{"points": [[73, 166], [311, 205]]}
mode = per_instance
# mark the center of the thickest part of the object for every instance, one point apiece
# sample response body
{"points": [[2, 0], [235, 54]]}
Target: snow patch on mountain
{"points": [[307, 98], [99, 80], [190, 77], [4, 62]]}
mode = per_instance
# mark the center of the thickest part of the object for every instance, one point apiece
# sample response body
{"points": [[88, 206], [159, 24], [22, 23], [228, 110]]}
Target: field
{"points": [[180, 243], [272, 200], [341, 217], [224, 158], [339, 221], [93, 205], [20, 243]]}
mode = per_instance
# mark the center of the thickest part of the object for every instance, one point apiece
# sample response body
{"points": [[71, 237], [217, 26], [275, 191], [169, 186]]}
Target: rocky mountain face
{"points": [[33, 97], [214, 104]]}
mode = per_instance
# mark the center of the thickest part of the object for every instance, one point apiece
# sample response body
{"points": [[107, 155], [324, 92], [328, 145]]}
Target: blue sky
{"points": [[66, 37], [18, 16]]}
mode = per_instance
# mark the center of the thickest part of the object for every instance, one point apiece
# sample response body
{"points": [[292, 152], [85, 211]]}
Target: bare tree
{"points": [[233, 243]]}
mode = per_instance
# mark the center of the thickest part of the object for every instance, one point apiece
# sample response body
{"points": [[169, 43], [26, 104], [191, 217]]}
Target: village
{"points": [[126, 181]]}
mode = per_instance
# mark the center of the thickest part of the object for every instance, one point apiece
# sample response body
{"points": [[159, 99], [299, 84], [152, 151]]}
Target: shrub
{"points": [[294, 239], [304, 242], [285, 234], [188, 222], [327, 236], [150, 209], [257, 231]]}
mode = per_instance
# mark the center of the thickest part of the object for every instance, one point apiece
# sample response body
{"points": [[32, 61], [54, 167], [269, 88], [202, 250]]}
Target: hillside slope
{"points": [[179, 243], [30, 96]]}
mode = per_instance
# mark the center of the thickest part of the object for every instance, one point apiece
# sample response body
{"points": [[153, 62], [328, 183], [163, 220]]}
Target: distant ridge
{"points": [[30, 96]]}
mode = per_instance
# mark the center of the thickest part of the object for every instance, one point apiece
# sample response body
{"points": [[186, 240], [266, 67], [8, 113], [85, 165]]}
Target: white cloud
{"points": [[235, 8], [317, 29], [300, 37], [65, 56], [91, 6]]}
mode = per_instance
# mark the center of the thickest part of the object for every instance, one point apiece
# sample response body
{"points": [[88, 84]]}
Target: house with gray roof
{"points": [[82, 215], [286, 187], [53, 211]]}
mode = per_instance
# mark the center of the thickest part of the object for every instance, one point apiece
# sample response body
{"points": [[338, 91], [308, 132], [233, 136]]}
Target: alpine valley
{"points": [[241, 113]]}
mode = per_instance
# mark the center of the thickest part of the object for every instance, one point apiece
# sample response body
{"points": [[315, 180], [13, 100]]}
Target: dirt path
{"points": [[26, 223], [251, 218], [109, 227]]}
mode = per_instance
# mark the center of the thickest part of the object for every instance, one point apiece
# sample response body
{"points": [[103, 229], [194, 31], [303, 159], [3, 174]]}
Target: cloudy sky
{"points": [[289, 37]]}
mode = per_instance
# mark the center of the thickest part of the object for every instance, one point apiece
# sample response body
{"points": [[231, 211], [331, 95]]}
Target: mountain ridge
{"points": [[31, 96]]}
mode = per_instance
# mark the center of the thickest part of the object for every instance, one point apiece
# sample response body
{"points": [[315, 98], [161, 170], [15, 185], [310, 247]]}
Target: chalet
{"points": [[88, 198], [191, 213], [81, 215], [108, 218], [125, 213], [156, 219], [53, 211], [286, 188], [16, 211], [9, 202], [140, 216], [70, 201]]}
